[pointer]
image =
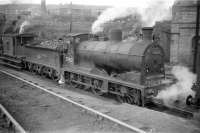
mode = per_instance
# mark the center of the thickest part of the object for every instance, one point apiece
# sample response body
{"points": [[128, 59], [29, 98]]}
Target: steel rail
{"points": [[135, 129], [17, 127]]}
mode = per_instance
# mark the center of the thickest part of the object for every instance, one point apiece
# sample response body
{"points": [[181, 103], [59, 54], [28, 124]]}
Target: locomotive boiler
{"points": [[142, 56]]}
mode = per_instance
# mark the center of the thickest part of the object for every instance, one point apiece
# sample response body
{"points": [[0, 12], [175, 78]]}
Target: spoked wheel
{"points": [[70, 80], [55, 75], [120, 99], [39, 70], [76, 85], [25, 65], [30, 67], [34, 68], [95, 89], [79, 86], [136, 100], [50, 73], [129, 99], [125, 99], [86, 88], [43, 72], [189, 100]]}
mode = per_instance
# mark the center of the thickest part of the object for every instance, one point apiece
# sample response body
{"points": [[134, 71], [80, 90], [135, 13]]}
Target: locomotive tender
{"points": [[93, 64]]}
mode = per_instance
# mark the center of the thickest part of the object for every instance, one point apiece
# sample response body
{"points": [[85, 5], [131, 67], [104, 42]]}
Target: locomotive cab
{"points": [[12, 52], [21, 41], [8, 44], [12, 43]]}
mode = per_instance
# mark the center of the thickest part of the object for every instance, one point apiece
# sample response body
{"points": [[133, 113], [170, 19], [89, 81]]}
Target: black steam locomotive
{"points": [[132, 70]]}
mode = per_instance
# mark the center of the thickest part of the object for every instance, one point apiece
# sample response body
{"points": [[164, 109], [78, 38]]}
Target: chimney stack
{"points": [[43, 6], [147, 33]]}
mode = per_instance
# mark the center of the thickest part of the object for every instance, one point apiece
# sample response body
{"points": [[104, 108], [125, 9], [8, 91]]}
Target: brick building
{"points": [[182, 32]]}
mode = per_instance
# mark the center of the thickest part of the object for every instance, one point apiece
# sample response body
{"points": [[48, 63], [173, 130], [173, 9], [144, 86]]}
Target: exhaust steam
{"points": [[181, 89], [155, 10], [22, 26]]}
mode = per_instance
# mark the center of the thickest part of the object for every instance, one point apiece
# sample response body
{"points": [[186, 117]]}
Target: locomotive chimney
{"points": [[115, 35], [147, 33]]}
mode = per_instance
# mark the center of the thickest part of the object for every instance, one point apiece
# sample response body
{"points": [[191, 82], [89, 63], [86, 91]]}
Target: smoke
{"points": [[111, 14], [181, 89], [155, 10], [15, 1], [22, 26]]}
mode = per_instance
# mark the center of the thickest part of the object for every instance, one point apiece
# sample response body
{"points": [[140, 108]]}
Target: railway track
{"points": [[170, 110], [8, 124], [111, 108], [93, 111], [155, 105]]}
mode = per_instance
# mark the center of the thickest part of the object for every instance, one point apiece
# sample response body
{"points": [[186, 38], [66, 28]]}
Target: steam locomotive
{"points": [[132, 70]]}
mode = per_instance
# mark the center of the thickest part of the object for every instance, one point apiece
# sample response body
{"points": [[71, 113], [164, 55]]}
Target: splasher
{"points": [[181, 89]]}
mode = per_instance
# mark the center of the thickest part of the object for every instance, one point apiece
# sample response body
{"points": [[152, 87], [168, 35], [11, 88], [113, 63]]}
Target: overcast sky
{"points": [[130, 3]]}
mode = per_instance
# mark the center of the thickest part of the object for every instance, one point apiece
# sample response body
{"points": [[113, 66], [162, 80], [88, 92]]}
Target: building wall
{"points": [[162, 31], [81, 10], [182, 32]]}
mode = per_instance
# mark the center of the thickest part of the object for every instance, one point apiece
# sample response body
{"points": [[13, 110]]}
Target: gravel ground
{"points": [[148, 120], [40, 112]]}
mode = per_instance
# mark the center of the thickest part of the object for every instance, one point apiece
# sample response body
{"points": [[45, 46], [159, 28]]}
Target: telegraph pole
{"points": [[70, 26]]}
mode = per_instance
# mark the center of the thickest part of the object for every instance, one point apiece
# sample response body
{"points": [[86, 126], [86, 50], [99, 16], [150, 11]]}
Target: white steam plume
{"points": [[111, 14], [154, 10], [158, 10], [25, 23], [181, 89]]}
